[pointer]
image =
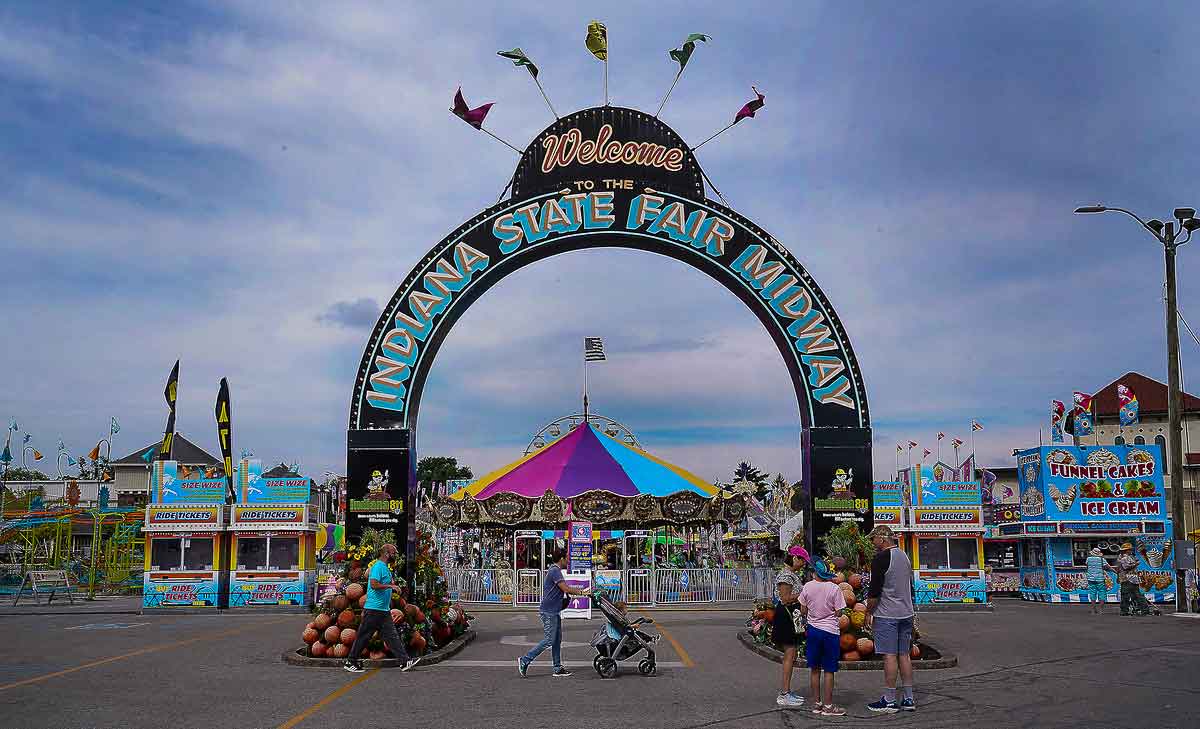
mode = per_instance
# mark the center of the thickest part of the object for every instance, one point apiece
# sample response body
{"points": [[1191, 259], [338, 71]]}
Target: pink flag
{"points": [[750, 107], [475, 116], [1083, 401]]}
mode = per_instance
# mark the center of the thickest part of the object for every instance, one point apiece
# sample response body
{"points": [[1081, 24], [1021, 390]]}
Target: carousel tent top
{"points": [[589, 476], [586, 460]]}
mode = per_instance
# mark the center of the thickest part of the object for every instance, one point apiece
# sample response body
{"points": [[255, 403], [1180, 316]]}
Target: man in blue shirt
{"points": [[554, 587], [376, 616]]}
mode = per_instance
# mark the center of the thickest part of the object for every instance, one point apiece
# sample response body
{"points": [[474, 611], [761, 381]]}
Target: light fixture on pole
{"points": [[1171, 238]]}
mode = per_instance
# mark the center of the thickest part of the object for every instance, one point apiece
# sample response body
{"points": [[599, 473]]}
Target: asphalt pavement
{"points": [[1024, 665]]}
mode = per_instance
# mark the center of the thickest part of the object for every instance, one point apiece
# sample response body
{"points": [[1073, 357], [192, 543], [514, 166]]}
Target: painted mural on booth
{"points": [[1066, 483]]}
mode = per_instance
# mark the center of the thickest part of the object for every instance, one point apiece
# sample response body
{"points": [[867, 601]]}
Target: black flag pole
{"points": [[664, 101], [706, 141]]}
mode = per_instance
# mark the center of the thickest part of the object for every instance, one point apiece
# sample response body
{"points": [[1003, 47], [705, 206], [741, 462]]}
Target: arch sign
{"points": [[608, 177]]}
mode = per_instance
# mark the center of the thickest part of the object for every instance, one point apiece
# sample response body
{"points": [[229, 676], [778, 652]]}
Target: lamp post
{"points": [[1171, 237]]}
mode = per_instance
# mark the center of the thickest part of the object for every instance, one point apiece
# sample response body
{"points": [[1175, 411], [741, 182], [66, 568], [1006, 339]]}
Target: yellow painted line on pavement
{"points": [[683, 655], [331, 697], [131, 654]]}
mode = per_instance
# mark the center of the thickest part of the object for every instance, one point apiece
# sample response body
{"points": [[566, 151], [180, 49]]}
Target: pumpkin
{"points": [[362, 601], [341, 650], [417, 643], [848, 642], [354, 591], [429, 604], [312, 625], [441, 634], [839, 563], [851, 656], [403, 604], [322, 622], [348, 636], [436, 615], [347, 619], [849, 598], [333, 634], [317, 650], [378, 655], [916, 651], [397, 616], [861, 607], [838, 579], [865, 646], [417, 617], [858, 618], [769, 615], [856, 581], [843, 622], [340, 603], [311, 635]]}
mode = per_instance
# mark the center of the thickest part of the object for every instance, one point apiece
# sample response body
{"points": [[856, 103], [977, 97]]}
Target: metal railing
{"points": [[640, 586]]}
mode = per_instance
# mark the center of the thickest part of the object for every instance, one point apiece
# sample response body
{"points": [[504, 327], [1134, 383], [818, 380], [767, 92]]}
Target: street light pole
{"points": [[1169, 236]]}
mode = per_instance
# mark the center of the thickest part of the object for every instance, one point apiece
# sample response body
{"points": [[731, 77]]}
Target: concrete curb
{"points": [[769, 652], [294, 658], [954, 607]]}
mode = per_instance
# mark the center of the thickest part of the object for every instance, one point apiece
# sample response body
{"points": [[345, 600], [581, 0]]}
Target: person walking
{"points": [[1133, 602], [554, 592], [1097, 587], [787, 629], [890, 615], [376, 615]]}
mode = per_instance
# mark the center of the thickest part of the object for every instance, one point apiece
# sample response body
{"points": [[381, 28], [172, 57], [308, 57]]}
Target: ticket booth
{"points": [[273, 529], [184, 529]]}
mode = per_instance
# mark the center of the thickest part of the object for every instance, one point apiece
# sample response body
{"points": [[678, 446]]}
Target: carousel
{"points": [[636, 506]]}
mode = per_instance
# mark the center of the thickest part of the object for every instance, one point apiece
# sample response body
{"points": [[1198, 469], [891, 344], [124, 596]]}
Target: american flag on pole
{"points": [[975, 425], [593, 349], [941, 435], [912, 444], [956, 443], [927, 454]]}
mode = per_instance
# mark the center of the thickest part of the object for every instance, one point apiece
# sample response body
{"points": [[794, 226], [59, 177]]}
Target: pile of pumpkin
{"points": [[334, 628], [856, 639]]}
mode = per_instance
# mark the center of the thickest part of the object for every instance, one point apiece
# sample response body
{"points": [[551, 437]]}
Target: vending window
{"points": [[963, 554], [1033, 553], [251, 553], [1000, 555], [1081, 549], [198, 553], [285, 553], [932, 554], [166, 554]]}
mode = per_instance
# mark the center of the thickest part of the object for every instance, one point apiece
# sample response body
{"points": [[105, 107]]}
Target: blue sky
{"points": [[242, 185]]}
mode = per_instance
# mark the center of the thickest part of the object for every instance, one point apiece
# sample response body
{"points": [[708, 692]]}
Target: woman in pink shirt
{"points": [[820, 601]]}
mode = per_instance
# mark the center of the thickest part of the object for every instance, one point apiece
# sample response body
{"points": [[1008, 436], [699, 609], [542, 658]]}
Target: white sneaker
{"points": [[788, 700]]}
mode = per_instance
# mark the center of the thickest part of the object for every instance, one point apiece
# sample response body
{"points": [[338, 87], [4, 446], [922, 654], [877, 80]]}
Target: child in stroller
{"points": [[620, 640]]}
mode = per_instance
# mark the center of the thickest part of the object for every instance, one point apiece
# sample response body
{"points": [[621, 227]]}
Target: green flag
{"points": [[597, 40], [518, 57], [684, 52]]}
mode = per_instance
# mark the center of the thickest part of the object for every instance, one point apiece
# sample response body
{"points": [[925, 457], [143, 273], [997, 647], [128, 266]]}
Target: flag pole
{"points": [[547, 98], [606, 68], [706, 141], [501, 141], [585, 397], [664, 101]]}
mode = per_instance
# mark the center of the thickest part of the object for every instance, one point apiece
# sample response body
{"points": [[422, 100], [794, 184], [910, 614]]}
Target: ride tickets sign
{"points": [[288, 515], [197, 517], [968, 591], [947, 518], [1103, 483]]}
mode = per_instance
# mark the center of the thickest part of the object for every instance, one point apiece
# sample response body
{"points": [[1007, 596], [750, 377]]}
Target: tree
{"points": [[25, 474], [747, 472], [800, 496], [436, 469]]}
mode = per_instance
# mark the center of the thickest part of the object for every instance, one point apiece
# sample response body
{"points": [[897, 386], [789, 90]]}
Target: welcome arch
{"points": [[607, 177]]}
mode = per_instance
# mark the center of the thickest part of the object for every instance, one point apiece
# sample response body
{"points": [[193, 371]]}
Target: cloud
{"points": [[358, 314]]}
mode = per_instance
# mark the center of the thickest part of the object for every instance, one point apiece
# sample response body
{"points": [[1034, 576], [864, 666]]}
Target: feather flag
{"points": [[1082, 422], [976, 425], [170, 393], [750, 107], [683, 53], [518, 57], [114, 427], [967, 472], [37, 455], [28, 437], [71, 461], [61, 446], [1129, 405], [597, 40], [95, 452], [6, 456], [475, 116], [12, 424], [1057, 409], [149, 454]]}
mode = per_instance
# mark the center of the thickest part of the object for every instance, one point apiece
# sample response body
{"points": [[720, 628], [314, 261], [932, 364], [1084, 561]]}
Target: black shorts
{"points": [[783, 628]]}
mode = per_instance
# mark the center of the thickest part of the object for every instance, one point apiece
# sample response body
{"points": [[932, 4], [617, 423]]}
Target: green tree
{"points": [[435, 469], [747, 472], [25, 474]]}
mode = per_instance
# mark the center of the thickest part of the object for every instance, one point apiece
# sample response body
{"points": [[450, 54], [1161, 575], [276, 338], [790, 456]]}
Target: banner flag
{"points": [[475, 116], [597, 40], [518, 57], [170, 393], [1057, 408], [749, 109], [95, 454], [114, 427], [37, 456], [683, 53], [1129, 405], [225, 435]]}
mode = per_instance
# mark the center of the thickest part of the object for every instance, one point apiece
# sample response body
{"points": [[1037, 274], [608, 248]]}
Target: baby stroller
{"points": [[609, 652]]}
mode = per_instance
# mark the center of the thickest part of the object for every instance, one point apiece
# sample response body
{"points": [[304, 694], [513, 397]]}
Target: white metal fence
{"points": [[658, 586]]}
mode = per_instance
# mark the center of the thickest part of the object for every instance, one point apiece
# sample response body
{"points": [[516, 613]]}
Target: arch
{"points": [[1139, 440], [1119, 440], [610, 177]]}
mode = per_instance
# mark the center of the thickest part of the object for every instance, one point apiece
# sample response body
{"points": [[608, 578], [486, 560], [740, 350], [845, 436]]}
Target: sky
{"points": [[243, 185]]}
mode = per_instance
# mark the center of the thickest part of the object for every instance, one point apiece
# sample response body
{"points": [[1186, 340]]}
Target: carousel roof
{"points": [[587, 460]]}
